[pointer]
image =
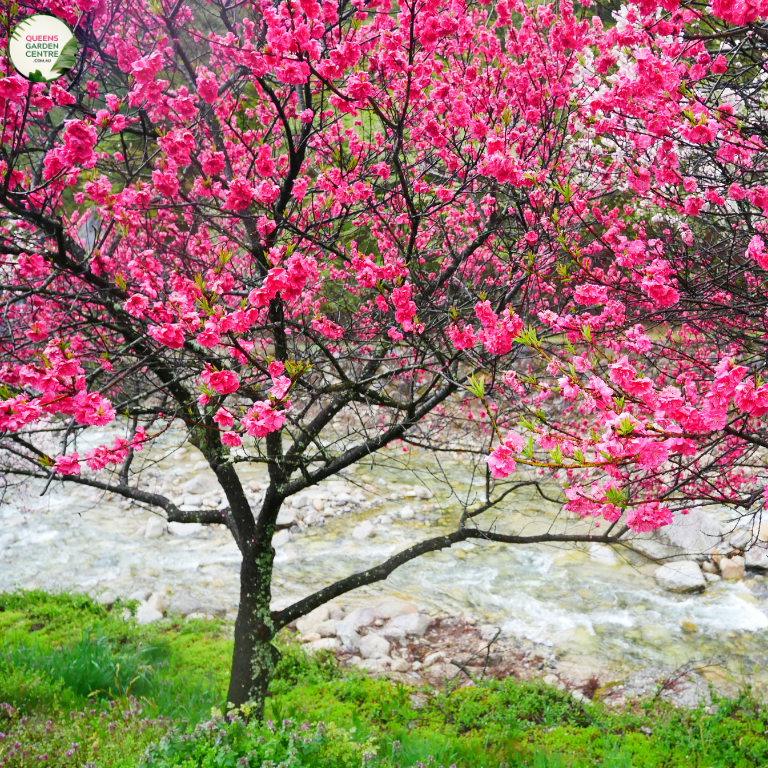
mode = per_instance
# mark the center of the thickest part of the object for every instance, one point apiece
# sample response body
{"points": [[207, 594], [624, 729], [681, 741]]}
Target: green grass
{"points": [[85, 688]]}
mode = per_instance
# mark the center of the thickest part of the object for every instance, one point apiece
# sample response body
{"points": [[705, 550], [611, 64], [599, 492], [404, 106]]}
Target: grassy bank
{"points": [[82, 687]]}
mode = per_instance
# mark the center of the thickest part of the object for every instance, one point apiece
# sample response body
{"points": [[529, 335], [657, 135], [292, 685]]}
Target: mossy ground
{"points": [[85, 688]]}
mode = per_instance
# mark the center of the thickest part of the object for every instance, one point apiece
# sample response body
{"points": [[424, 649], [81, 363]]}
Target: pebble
{"points": [[732, 568], [146, 614], [364, 530], [155, 528], [374, 647], [407, 513]]}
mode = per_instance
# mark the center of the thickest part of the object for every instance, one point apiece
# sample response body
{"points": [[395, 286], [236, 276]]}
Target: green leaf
{"points": [[476, 385], [67, 56]]}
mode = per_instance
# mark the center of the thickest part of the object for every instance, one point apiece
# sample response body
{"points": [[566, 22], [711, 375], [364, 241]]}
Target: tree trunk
{"points": [[254, 657]]}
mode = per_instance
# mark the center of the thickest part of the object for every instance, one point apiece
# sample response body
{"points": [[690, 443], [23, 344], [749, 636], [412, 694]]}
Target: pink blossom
{"points": [[169, 334], [239, 195], [648, 517], [207, 88], [280, 387], [224, 418], [232, 439], [79, 140], [92, 408], [223, 382], [262, 418], [67, 465], [501, 462]]}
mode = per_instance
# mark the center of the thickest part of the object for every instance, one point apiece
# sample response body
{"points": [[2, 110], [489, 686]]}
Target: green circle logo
{"points": [[42, 48]]}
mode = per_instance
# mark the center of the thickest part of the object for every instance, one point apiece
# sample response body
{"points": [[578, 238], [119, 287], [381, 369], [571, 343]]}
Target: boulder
{"points": [[695, 533], [392, 633], [363, 531], [393, 608], [281, 538], [324, 644], [732, 568], [185, 604], [756, 558], [681, 576], [201, 484], [287, 516], [185, 529], [157, 601], [155, 528], [312, 619], [350, 640], [413, 624], [654, 550], [374, 647], [602, 554], [362, 617], [326, 629], [740, 539], [146, 614]]}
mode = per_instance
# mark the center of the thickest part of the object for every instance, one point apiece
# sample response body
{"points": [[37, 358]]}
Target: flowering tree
{"points": [[305, 231]]}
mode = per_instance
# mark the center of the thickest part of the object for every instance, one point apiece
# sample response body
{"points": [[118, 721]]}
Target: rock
{"points": [[393, 608], [732, 568], [756, 558], [739, 539], [416, 666], [310, 637], [318, 504], [689, 626], [155, 528], [140, 594], [362, 617], [312, 619], [374, 665], [200, 483], [712, 577], [287, 516], [385, 520], [350, 640], [708, 567], [327, 628], [413, 624], [399, 665], [422, 492], [146, 614], [281, 538], [185, 529], [374, 647], [392, 633], [363, 531], [681, 576], [157, 601], [695, 533], [195, 615], [7, 539], [550, 679], [602, 554], [654, 550], [107, 598], [342, 499], [432, 658], [324, 644], [407, 513], [579, 696], [761, 531]]}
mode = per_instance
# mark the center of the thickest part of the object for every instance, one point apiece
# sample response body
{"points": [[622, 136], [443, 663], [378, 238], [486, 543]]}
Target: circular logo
{"points": [[42, 48]]}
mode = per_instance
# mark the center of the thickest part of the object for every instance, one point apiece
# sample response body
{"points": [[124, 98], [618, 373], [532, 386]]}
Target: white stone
{"points": [[359, 498], [157, 601], [312, 619], [107, 598], [324, 644], [200, 484], [602, 554], [146, 614], [653, 550], [385, 520], [757, 558], [712, 577], [185, 529], [7, 539], [140, 594], [281, 538], [326, 628], [407, 513], [318, 504], [390, 609], [362, 617], [422, 492], [695, 533], [195, 615], [155, 528], [399, 665], [287, 516], [350, 640], [432, 658], [680, 576], [739, 539], [342, 499], [374, 647], [363, 531], [413, 624], [374, 665]]}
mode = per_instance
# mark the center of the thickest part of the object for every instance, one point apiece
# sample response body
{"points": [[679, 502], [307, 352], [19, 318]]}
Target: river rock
{"points": [[681, 576], [184, 604], [324, 644], [146, 614], [326, 628], [362, 617], [281, 538], [363, 531], [377, 665], [287, 516], [732, 568], [312, 619], [399, 665], [695, 533], [654, 550], [140, 594], [393, 608], [756, 558], [107, 598], [318, 504], [201, 484], [157, 601], [422, 492], [374, 647], [602, 554], [413, 624], [407, 513], [740, 539], [155, 528], [185, 529], [433, 658]]}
